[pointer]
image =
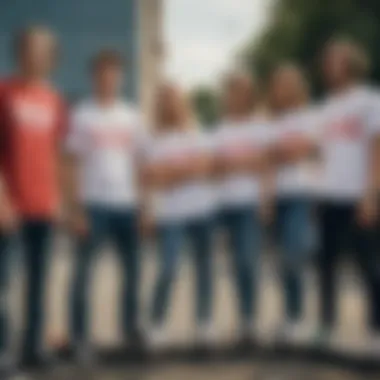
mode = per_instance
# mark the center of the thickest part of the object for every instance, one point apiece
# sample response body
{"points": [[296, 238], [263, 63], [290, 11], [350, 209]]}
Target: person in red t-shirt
{"points": [[31, 124]]}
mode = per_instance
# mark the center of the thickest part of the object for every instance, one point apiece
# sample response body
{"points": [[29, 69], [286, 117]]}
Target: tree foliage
{"points": [[205, 102], [298, 29]]}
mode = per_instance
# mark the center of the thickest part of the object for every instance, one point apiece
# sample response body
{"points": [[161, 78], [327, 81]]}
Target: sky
{"points": [[203, 36]]}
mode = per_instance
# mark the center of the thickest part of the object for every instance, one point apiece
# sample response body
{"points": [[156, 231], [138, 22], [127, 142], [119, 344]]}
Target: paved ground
{"points": [[254, 371], [350, 336]]}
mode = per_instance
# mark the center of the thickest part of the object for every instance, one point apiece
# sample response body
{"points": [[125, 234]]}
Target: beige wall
{"points": [[151, 49]]}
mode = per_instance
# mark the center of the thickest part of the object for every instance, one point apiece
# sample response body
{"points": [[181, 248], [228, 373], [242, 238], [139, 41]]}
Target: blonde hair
{"points": [[182, 118], [358, 59]]}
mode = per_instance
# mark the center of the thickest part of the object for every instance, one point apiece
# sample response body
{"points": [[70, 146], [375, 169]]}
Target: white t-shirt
{"points": [[232, 138], [188, 200], [348, 123], [297, 179], [106, 139]]}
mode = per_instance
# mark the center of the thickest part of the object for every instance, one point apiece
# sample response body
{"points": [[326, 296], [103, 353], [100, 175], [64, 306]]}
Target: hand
{"points": [[367, 212], [147, 226], [267, 213], [8, 217], [295, 148], [78, 223]]}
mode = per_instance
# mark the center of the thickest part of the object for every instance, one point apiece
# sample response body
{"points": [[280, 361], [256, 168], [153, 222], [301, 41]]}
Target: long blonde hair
{"points": [[172, 109]]}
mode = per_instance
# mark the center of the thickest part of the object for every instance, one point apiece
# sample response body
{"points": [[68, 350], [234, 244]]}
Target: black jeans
{"points": [[34, 237], [337, 223], [121, 226]]}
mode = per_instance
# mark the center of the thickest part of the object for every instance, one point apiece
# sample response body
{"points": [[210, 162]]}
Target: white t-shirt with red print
{"points": [[192, 198], [297, 179], [348, 124], [235, 138], [106, 140]]}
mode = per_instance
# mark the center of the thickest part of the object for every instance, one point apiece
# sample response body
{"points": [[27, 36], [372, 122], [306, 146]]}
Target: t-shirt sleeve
{"points": [[373, 115]]}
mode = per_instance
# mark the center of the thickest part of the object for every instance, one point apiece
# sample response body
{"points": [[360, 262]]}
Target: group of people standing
{"points": [[113, 174]]}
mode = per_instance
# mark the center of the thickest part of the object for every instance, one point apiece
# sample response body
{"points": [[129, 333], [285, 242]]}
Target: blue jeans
{"points": [[34, 236], [244, 234], [121, 227], [338, 223], [170, 239], [294, 226]]}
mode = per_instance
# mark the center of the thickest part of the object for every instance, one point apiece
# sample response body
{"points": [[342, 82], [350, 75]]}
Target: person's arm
{"points": [[246, 159], [298, 137], [293, 149], [8, 216], [368, 207], [71, 161], [268, 187]]}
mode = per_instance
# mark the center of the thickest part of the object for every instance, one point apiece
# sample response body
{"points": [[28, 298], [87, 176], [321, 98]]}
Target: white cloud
{"points": [[203, 35]]}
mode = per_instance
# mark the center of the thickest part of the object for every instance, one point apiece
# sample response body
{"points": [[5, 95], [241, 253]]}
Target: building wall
{"points": [[83, 26], [151, 49]]}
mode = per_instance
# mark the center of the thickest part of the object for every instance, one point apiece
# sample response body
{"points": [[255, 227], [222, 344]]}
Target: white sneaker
{"points": [[158, 337], [7, 363], [374, 345], [205, 334], [295, 333], [248, 331], [84, 354]]}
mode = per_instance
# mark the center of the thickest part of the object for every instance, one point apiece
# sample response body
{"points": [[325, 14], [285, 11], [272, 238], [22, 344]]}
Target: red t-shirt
{"points": [[31, 126]]}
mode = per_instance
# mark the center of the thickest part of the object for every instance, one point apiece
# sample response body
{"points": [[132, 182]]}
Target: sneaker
{"points": [[373, 346], [323, 336], [293, 333], [37, 361], [7, 366], [247, 334], [158, 338], [84, 355], [205, 334], [136, 339]]}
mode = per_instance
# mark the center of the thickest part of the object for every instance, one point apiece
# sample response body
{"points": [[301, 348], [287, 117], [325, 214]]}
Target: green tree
{"points": [[298, 29], [206, 105]]}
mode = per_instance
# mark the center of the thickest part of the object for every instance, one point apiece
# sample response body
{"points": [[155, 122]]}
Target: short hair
{"points": [[106, 58], [23, 37], [358, 59]]}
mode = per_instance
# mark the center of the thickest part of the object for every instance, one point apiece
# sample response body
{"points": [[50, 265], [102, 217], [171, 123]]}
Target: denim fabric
{"points": [[171, 239], [121, 227], [244, 235], [35, 238], [337, 223], [294, 231]]}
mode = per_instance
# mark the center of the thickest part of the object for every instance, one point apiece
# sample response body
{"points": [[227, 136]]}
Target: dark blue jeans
{"points": [[338, 224], [34, 237], [5, 246], [171, 238], [294, 234], [244, 234], [121, 227]]}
